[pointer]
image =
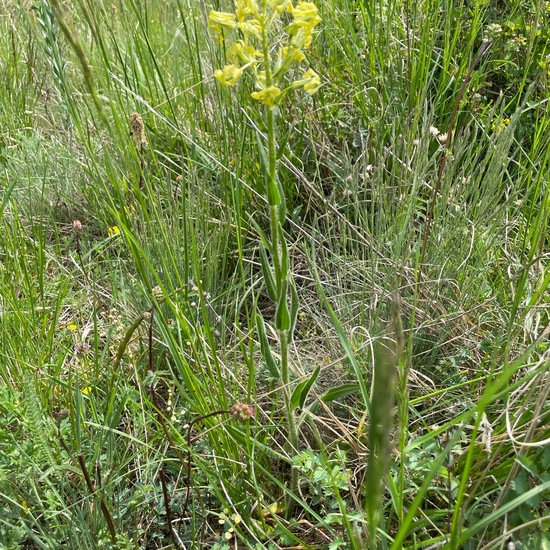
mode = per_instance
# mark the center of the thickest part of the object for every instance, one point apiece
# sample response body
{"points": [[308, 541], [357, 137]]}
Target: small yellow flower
{"points": [[312, 82], [305, 20], [305, 13], [252, 26], [87, 390], [241, 53], [229, 75], [294, 54], [236, 519], [219, 19], [281, 5], [72, 327], [112, 231], [268, 96], [502, 124], [245, 7]]}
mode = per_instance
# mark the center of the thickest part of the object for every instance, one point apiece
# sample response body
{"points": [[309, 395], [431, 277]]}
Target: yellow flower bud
{"points": [[294, 54]]}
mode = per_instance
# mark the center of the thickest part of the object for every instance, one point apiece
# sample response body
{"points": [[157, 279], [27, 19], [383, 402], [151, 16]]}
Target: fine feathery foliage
{"points": [[274, 274]]}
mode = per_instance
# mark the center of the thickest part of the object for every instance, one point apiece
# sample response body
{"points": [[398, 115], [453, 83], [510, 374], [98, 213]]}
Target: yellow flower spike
{"points": [[229, 75], [268, 96]]}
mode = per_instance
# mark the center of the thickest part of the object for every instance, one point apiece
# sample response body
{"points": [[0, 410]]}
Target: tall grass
{"points": [[417, 205]]}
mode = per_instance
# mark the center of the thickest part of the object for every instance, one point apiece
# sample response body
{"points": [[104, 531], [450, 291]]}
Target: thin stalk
{"points": [[277, 236]]}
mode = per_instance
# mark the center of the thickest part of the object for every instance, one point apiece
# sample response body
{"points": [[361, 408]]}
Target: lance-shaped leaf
{"points": [[265, 348], [269, 280], [282, 317], [301, 391], [294, 303]]}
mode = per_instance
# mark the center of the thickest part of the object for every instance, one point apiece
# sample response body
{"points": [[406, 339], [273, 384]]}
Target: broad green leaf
{"points": [[339, 392], [301, 391]]}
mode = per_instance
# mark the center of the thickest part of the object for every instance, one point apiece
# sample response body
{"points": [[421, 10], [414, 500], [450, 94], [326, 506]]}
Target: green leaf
{"points": [[285, 264], [359, 372], [273, 192], [263, 154], [528, 464], [519, 485], [339, 392], [269, 280], [294, 303], [282, 317], [502, 510], [301, 391], [265, 348]]}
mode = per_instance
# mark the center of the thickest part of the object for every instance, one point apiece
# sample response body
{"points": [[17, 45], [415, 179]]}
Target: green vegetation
{"points": [[312, 318]]}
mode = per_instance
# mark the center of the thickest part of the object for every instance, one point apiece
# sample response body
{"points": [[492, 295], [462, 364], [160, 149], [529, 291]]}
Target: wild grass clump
{"points": [[273, 274]]}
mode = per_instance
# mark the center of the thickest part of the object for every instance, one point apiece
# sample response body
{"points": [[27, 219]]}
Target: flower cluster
{"points": [[256, 22], [242, 411]]}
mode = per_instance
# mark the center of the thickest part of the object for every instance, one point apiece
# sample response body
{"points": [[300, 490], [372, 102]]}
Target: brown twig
{"points": [[239, 411], [191, 424], [103, 505], [167, 502], [154, 398]]}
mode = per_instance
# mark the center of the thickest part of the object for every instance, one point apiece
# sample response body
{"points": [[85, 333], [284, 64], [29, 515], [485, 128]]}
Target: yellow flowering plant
{"points": [[258, 26], [263, 46]]}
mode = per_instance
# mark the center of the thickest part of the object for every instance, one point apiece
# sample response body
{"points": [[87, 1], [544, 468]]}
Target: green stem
{"points": [[276, 241], [291, 419]]}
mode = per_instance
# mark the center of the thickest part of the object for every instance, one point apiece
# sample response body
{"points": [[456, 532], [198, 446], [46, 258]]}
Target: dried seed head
{"points": [[158, 294], [137, 130]]}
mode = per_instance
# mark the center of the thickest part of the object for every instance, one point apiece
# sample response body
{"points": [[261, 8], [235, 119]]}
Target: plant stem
{"points": [[277, 236]]}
